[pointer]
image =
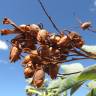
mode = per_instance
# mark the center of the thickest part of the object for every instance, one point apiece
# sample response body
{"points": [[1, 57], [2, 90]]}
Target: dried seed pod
{"points": [[54, 52], [76, 39], [14, 54], [26, 59], [33, 54], [44, 51], [85, 25], [6, 32], [53, 70], [54, 39], [35, 28], [38, 78], [25, 28], [6, 21], [28, 72], [30, 64], [64, 40], [79, 43], [42, 36]]}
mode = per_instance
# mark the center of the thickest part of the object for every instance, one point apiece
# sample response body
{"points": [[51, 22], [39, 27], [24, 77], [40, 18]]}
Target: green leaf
{"points": [[75, 87], [89, 48], [67, 83], [89, 94], [54, 84], [92, 93], [70, 68], [88, 74]]}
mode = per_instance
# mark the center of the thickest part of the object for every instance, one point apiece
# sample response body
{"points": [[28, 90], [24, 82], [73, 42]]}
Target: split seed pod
{"points": [[14, 54], [38, 78]]}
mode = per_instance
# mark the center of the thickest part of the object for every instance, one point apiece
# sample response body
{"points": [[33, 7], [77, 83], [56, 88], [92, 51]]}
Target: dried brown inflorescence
{"points": [[44, 50]]}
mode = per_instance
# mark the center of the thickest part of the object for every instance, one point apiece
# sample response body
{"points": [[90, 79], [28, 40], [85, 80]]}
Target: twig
{"points": [[54, 25], [73, 59], [79, 53]]}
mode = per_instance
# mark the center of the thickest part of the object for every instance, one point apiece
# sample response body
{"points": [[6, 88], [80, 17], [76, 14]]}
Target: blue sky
{"points": [[12, 82]]}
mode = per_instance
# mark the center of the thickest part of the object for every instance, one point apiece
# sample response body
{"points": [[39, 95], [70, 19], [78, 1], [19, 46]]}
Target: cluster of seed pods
{"points": [[43, 49]]}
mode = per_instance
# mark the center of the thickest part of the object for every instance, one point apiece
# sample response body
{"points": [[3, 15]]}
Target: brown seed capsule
{"points": [[28, 72], [30, 64], [14, 54], [63, 41], [6, 21], [42, 36], [26, 59], [34, 28], [54, 39], [6, 32], [53, 70], [53, 51], [38, 78], [85, 25], [76, 39], [23, 27], [44, 52], [34, 52]]}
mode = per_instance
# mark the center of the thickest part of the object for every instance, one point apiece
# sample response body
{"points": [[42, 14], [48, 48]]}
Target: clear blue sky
{"points": [[12, 82]]}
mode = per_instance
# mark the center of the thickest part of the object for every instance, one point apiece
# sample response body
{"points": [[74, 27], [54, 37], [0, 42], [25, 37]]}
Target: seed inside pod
{"points": [[28, 72]]}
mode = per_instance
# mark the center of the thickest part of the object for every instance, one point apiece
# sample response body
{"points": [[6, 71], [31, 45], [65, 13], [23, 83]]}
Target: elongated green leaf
{"points": [[89, 73], [75, 88], [67, 83], [74, 67], [89, 94], [92, 93]]}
